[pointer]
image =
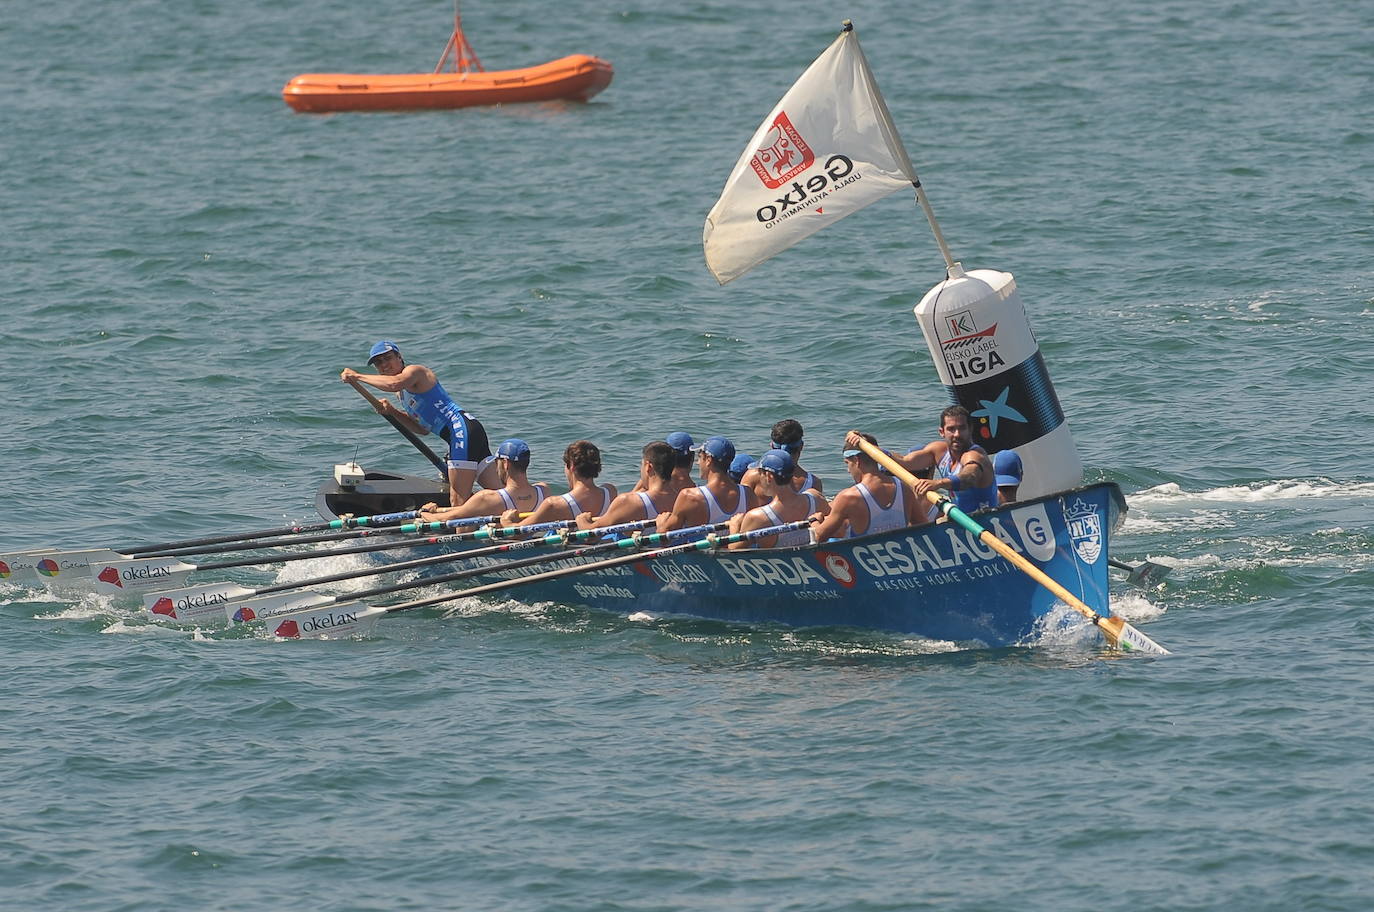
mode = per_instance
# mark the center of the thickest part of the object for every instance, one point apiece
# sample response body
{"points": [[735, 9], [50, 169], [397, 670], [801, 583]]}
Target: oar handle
{"points": [[405, 431], [1112, 628]]}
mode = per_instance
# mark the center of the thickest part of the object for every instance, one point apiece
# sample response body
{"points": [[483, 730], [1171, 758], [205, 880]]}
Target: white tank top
{"points": [[884, 520], [510, 501], [715, 512], [576, 508], [792, 536], [650, 511]]}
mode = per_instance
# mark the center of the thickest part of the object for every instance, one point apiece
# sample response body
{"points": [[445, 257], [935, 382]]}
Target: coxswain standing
{"points": [[427, 408]]}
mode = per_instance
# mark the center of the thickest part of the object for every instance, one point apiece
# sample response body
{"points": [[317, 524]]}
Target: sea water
{"points": [[1184, 194]]}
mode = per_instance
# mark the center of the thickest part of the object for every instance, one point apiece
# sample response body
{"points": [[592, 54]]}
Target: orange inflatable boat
{"points": [[575, 78]]}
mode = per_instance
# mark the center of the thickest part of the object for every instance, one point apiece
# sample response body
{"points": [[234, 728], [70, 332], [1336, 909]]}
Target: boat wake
{"points": [[1173, 495]]}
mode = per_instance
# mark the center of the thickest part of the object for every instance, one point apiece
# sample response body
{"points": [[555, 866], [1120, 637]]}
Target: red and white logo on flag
{"points": [[784, 155]]}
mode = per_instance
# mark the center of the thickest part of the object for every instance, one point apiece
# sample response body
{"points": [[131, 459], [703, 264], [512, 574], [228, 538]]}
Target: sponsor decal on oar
{"points": [[140, 575], [201, 603]]}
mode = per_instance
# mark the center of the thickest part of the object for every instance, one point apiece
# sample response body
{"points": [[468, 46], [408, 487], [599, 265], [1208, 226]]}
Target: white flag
{"points": [[828, 149]]}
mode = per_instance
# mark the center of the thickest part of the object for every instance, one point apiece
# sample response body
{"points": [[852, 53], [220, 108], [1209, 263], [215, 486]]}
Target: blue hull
{"points": [[938, 581]]}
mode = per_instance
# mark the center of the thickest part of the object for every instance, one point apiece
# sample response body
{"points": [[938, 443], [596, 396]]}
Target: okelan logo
{"points": [[288, 630], [164, 606], [110, 575], [839, 568], [784, 154]]}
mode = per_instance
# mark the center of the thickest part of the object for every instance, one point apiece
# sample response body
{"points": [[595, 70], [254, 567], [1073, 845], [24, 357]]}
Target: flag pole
{"points": [[895, 141]]}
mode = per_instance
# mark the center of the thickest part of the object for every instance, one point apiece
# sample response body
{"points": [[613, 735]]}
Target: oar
{"points": [[214, 600], [1146, 574], [405, 431], [25, 565], [634, 541], [352, 618], [1119, 634], [143, 574]]}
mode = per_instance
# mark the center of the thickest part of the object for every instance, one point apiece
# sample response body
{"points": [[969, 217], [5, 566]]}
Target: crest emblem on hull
{"points": [[1085, 530]]}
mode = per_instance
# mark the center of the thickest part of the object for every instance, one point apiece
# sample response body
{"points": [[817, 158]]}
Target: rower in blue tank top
{"points": [[962, 470], [428, 409]]}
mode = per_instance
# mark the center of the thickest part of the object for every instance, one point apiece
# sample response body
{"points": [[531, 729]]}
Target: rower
{"points": [[787, 435], [1006, 465], [516, 493], [876, 502], [961, 467], [653, 495], [426, 408], [715, 501], [581, 465], [776, 471], [742, 463]]}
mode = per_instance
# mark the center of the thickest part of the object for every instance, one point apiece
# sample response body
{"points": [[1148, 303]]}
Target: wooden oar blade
{"points": [[1123, 636]]}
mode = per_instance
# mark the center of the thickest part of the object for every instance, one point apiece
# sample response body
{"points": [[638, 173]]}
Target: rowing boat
{"points": [[830, 148], [937, 580]]}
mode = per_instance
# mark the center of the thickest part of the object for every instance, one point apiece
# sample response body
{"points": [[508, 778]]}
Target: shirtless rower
{"points": [[715, 501], [581, 465], [425, 408], [653, 495], [785, 504], [961, 468], [787, 435], [876, 502], [516, 493]]}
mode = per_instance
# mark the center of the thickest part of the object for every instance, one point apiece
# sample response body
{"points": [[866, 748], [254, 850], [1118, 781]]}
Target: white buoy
{"points": [[987, 358]]}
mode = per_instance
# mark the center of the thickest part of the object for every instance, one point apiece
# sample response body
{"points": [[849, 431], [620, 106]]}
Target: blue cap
{"points": [[740, 465], [718, 448], [515, 449], [680, 441], [778, 462], [1007, 466], [381, 348]]}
